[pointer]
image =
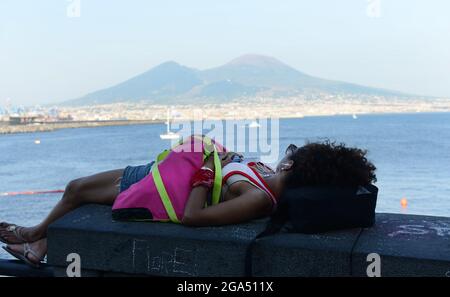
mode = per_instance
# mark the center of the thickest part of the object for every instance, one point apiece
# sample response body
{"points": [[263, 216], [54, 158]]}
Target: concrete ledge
{"points": [[160, 249], [408, 246], [295, 254], [20, 269]]}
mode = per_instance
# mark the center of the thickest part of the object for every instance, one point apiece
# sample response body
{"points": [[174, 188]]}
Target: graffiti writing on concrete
{"points": [[82, 218], [175, 261], [243, 233], [438, 228]]}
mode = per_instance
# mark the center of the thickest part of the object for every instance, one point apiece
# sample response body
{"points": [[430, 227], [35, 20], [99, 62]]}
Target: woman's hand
{"points": [[225, 158]]}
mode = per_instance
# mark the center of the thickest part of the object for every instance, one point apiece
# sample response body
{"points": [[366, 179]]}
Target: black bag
{"points": [[321, 209]]}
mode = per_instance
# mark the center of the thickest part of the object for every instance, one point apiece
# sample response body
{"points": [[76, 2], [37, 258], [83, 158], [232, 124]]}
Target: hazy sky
{"points": [[47, 55]]}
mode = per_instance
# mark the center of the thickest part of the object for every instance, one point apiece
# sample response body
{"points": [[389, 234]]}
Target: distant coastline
{"points": [[48, 127]]}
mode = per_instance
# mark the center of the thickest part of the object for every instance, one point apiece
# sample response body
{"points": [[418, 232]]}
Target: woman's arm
{"points": [[253, 203], [250, 205]]}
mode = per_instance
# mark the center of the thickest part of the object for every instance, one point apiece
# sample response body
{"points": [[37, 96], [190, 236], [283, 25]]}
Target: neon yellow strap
{"points": [[163, 194], [207, 143], [162, 155], [217, 187], [217, 178]]}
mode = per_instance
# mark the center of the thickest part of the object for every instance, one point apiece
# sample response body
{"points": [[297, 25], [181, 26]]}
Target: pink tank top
{"points": [[176, 172]]}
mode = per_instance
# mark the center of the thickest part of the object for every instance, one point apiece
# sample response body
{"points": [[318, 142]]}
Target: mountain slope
{"points": [[268, 72], [161, 82], [248, 75], [257, 70]]}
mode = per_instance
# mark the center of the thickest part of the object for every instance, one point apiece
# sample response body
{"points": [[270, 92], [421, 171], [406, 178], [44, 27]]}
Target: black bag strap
{"points": [[274, 225]]}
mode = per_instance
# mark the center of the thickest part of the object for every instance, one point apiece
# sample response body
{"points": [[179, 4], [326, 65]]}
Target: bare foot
{"points": [[36, 250], [12, 234]]}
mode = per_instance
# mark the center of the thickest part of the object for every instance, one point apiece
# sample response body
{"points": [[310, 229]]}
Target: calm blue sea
{"points": [[411, 151]]}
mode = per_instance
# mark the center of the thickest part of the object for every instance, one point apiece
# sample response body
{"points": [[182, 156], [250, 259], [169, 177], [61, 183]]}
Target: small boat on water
{"points": [[169, 134], [254, 124], [354, 116]]}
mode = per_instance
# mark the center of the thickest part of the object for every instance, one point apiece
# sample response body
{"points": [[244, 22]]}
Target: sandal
{"points": [[15, 230], [24, 256]]}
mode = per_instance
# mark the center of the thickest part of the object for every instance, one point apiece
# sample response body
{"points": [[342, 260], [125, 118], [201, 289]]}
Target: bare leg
{"points": [[101, 188]]}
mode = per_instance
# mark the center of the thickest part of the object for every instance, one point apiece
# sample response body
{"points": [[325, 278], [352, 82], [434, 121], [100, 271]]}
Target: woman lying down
{"points": [[206, 188]]}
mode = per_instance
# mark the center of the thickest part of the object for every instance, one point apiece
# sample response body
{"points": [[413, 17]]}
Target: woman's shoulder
{"points": [[234, 166], [261, 168], [247, 167]]}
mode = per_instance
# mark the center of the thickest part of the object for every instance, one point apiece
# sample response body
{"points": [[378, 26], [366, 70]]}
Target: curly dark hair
{"points": [[330, 164]]}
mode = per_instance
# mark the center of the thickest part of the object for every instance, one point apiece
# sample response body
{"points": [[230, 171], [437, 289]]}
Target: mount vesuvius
{"points": [[245, 76]]}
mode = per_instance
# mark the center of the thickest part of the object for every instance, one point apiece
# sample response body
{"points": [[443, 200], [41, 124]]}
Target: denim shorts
{"points": [[133, 174]]}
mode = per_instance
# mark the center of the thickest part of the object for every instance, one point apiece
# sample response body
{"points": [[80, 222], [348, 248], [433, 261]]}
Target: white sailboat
{"points": [[169, 134], [254, 124]]}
